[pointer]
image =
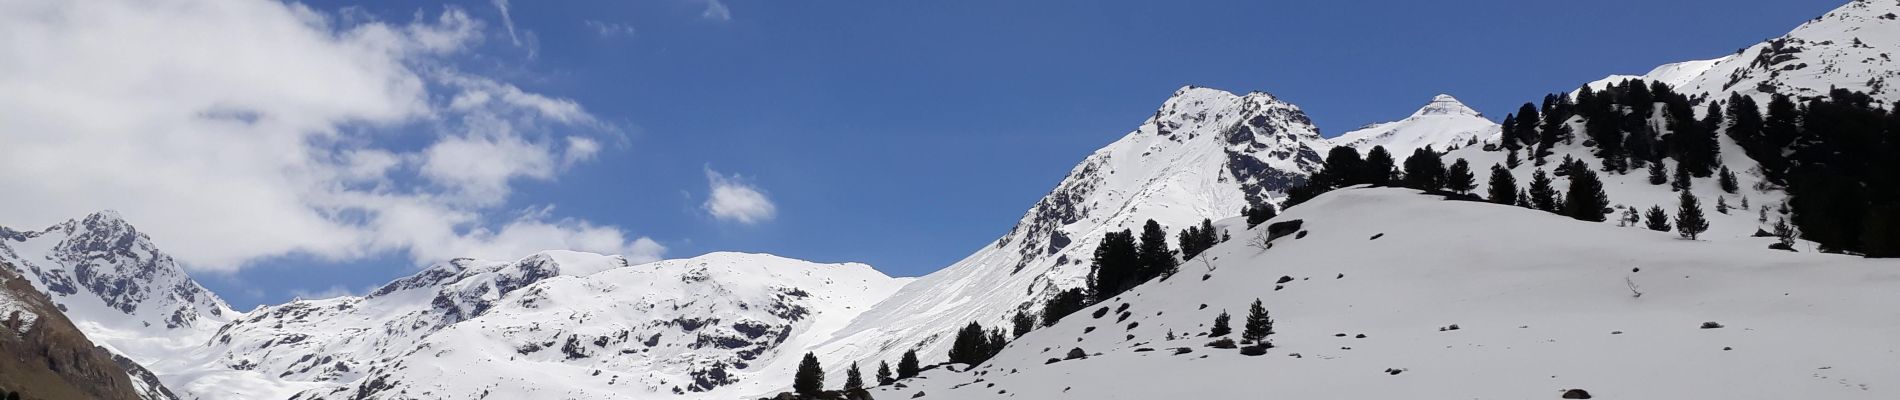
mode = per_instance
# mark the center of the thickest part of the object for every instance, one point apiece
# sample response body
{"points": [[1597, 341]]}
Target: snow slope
{"points": [[1442, 124], [1852, 47], [1542, 303], [555, 325], [1205, 153]]}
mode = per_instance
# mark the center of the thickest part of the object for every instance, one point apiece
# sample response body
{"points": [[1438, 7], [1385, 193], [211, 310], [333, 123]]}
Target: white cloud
{"points": [[734, 200], [609, 29], [237, 130], [716, 10]]}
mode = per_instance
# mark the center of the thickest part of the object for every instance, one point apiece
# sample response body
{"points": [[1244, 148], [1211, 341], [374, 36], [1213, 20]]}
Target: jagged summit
{"points": [[101, 270], [1442, 123]]}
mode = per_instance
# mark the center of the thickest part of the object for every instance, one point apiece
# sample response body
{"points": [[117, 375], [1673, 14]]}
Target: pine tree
{"points": [[1689, 220], [1656, 174], [1682, 182], [884, 374], [1585, 200], [1779, 130], [1511, 159], [1721, 205], [1508, 135], [1343, 167], [1784, 234], [852, 380], [1259, 324], [1503, 186], [1379, 165], [1524, 200], [1155, 258], [1657, 219], [1022, 323], [1542, 195], [1727, 181], [1061, 305], [1425, 170], [971, 345], [907, 367], [1116, 266], [1527, 121], [1220, 326], [810, 379], [1459, 178]]}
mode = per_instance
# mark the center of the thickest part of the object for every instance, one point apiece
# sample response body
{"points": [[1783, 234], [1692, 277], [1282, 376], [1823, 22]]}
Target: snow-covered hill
{"points": [[1468, 300], [1443, 123], [1205, 154], [1853, 47], [555, 325]]}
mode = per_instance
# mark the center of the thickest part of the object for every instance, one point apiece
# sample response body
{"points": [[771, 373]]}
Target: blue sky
{"points": [[908, 134]]}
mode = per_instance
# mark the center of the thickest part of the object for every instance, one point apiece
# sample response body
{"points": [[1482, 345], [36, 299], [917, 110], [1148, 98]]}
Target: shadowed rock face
{"points": [[42, 355]]}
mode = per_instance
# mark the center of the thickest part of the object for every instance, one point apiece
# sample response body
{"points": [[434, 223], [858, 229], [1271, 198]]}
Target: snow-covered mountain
{"points": [[1444, 123], [103, 272], [555, 325], [1205, 153], [1852, 47], [46, 357], [1389, 293]]}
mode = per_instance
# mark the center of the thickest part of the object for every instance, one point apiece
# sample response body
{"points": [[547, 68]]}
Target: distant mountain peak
{"points": [[1444, 104]]}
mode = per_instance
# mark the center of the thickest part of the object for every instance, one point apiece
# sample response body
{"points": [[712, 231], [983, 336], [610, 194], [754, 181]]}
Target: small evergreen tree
{"points": [[1784, 234], [810, 379], [1155, 258], [1459, 178], [1656, 174], [1657, 219], [1524, 200], [884, 374], [852, 380], [907, 367], [1259, 324], [1503, 186], [1220, 326], [1542, 195], [1585, 200], [1721, 205], [1728, 181], [1682, 182], [1511, 159], [1689, 220]]}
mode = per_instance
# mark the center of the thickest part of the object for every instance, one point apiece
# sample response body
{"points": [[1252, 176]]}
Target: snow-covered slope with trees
{"points": [[1389, 293], [1442, 124], [1853, 47], [1205, 153]]}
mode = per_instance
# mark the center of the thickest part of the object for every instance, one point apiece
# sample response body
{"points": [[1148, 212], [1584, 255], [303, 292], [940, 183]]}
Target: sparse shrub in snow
{"points": [[1222, 343], [1075, 353], [1254, 350], [1576, 394], [1711, 325]]}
